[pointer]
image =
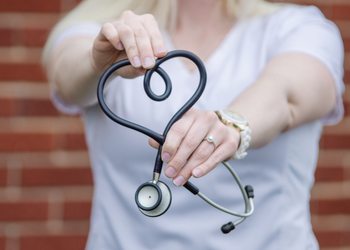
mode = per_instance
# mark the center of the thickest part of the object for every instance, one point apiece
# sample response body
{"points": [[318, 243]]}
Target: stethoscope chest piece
{"points": [[152, 199]]}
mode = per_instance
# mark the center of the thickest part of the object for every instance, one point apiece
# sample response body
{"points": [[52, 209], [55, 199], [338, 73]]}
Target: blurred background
{"points": [[45, 178]]}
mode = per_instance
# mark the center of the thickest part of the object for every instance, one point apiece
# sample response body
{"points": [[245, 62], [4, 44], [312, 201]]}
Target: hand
{"points": [[188, 154], [136, 37]]}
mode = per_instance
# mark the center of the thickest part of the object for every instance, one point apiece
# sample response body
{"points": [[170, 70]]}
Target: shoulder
{"points": [[291, 16], [295, 12], [299, 20], [84, 28], [78, 29], [285, 18]]}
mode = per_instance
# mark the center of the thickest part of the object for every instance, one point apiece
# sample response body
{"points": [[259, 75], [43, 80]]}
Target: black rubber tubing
{"points": [[168, 86]]}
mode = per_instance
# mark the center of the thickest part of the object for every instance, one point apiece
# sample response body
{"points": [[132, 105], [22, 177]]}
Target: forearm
{"points": [[293, 89], [78, 63], [75, 80], [266, 111]]}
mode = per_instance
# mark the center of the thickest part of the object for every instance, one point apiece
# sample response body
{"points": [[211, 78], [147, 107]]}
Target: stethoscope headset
{"points": [[153, 198]]}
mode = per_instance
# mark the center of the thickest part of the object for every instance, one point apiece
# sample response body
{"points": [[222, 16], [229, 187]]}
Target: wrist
{"points": [[236, 135], [240, 124], [93, 67], [245, 138]]}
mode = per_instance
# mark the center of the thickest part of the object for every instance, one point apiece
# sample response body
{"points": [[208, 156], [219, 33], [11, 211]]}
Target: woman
{"points": [[279, 66]]}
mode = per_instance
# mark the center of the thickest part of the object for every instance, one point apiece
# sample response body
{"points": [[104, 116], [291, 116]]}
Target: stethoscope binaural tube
{"points": [[154, 197]]}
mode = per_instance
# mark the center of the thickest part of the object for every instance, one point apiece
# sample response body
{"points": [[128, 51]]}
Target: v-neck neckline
{"points": [[224, 43]]}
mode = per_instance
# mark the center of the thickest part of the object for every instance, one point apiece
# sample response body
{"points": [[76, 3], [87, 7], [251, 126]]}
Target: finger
{"points": [[109, 33], [203, 153], [220, 154], [156, 38], [198, 130], [153, 143], [126, 35], [130, 72], [143, 43], [175, 136], [198, 157]]}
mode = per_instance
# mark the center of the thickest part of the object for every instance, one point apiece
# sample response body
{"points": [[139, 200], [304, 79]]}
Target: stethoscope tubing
{"points": [[168, 86], [249, 205], [159, 138]]}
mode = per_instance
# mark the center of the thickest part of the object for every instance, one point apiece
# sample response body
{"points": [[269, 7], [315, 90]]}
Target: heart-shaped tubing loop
{"points": [[147, 86], [159, 138]]}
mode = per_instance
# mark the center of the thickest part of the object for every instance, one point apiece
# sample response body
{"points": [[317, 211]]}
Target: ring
{"points": [[210, 138]]}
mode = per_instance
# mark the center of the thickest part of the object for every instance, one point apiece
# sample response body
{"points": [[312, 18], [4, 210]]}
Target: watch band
{"points": [[243, 129], [245, 142]]}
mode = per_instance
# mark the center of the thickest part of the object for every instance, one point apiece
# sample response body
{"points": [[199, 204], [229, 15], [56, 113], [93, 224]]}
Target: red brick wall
{"points": [[45, 180]]}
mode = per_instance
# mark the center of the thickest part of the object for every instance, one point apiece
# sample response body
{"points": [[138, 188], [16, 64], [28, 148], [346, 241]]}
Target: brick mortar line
{"points": [[59, 125], [331, 222], [71, 193], [330, 190], [54, 158], [28, 20], [39, 228], [24, 90], [18, 54]]}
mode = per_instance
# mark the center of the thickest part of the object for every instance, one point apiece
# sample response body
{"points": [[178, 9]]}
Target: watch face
{"points": [[234, 116]]}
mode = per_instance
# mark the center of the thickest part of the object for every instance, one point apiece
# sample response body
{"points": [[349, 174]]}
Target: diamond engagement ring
{"points": [[210, 138]]}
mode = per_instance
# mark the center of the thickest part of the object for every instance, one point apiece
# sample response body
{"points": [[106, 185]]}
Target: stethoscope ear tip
{"points": [[227, 227], [250, 191]]}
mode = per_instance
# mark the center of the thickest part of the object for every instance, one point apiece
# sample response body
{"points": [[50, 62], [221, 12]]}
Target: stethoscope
{"points": [[153, 198]]}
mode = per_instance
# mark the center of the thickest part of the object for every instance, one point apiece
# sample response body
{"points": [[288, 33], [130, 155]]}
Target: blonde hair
{"points": [[164, 11]]}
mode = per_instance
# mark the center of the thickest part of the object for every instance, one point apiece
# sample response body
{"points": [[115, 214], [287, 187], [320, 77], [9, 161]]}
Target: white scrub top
{"points": [[281, 173]]}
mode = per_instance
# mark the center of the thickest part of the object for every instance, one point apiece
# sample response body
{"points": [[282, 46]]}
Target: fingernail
{"points": [[137, 61], [170, 172], [178, 180], [120, 46], [197, 172], [166, 157], [160, 50], [147, 62]]}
